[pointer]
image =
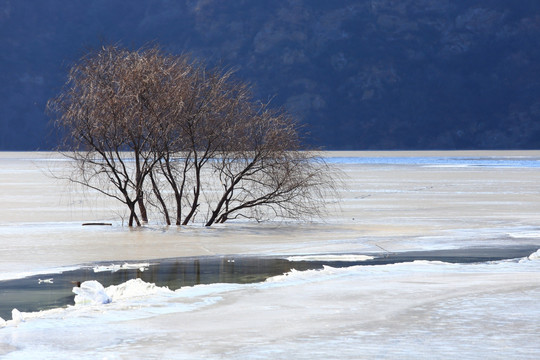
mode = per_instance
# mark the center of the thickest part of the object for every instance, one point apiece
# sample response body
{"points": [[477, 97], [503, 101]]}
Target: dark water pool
{"points": [[40, 292]]}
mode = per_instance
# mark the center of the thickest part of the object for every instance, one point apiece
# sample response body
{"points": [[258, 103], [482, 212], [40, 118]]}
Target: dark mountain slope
{"points": [[379, 74]]}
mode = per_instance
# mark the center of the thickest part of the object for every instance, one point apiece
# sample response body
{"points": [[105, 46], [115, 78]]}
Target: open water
{"points": [[48, 291]]}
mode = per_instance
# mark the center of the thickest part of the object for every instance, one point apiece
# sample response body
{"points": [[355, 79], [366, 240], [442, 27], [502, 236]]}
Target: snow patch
{"points": [[296, 276], [126, 266], [91, 293], [525, 235], [134, 288], [535, 255], [16, 319]]}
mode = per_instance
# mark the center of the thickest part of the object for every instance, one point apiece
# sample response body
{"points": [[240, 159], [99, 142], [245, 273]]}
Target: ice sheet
{"points": [[48, 270], [396, 207], [408, 310]]}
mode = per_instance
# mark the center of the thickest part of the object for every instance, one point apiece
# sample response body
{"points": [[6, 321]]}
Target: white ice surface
{"points": [[409, 311], [124, 266], [23, 274]]}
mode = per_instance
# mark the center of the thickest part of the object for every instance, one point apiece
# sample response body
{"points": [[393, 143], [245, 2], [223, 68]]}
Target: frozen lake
{"points": [[394, 203], [48, 291]]}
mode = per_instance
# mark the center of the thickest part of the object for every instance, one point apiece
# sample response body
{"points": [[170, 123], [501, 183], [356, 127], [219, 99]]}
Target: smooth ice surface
{"points": [[423, 309]]}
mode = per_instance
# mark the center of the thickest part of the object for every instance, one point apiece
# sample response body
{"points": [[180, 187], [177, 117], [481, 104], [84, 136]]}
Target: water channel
{"points": [[47, 291]]}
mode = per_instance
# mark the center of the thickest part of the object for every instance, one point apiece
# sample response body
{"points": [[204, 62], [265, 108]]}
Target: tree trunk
{"points": [[155, 188], [196, 193], [180, 193], [133, 215], [178, 208], [142, 207], [194, 205], [138, 185], [217, 210]]}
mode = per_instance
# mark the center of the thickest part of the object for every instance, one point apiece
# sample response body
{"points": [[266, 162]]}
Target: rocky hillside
{"points": [[364, 74]]}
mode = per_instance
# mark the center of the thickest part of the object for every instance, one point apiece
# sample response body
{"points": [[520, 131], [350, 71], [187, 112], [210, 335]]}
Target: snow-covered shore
{"points": [[412, 310]]}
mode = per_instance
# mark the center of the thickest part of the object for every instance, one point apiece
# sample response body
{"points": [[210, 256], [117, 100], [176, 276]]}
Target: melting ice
{"points": [[404, 310]]}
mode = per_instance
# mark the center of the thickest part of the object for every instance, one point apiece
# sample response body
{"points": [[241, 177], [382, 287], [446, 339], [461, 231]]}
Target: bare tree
{"points": [[211, 105], [112, 115], [263, 172], [143, 127]]}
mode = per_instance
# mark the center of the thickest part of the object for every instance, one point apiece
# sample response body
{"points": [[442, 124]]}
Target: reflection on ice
{"points": [[345, 258]]}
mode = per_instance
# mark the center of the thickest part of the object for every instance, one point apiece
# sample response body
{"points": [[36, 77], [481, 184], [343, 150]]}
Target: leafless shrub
{"points": [[144, 128]]}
